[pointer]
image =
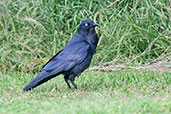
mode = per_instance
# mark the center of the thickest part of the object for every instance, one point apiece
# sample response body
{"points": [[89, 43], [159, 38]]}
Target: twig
{"points": [[112, 4]]}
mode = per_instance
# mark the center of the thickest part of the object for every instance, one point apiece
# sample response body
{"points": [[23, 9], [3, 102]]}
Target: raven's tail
{"points": [[39, 79]]}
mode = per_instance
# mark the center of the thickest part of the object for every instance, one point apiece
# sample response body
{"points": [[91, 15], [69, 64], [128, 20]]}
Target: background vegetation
{"points": [[132, 33], [32, 31]]}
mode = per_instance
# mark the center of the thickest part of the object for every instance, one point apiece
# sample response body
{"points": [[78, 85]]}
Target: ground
{"points": [[126, 91]]}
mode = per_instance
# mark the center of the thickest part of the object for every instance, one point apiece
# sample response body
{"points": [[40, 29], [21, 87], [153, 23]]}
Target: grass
{"points": [[127, 91], [32, 31]]}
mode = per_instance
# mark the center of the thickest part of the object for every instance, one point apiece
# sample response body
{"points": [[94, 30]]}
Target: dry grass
{"points": [[162, 64]]}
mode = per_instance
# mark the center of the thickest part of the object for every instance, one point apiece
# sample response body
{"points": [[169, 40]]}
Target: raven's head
{"points": [[86, 25]]}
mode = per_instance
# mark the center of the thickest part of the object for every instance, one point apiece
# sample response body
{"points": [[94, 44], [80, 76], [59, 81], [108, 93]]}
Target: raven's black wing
{"points": [[52, 58], [68, 57]]}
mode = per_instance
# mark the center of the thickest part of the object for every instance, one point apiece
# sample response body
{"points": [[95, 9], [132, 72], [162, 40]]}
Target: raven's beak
{"points": [[95, 24]]}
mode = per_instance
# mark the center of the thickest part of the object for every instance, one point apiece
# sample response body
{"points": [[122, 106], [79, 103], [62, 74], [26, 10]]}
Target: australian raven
{"points": [[73, 59]]}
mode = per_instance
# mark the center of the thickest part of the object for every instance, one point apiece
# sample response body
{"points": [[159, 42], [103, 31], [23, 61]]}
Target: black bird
{"points": [[73, 59]]}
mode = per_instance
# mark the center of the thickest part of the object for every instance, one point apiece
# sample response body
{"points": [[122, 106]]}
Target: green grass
{"points": [[127, 92], [32, 31]]}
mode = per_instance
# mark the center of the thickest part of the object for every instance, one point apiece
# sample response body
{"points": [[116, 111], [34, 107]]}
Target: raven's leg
{"points": [[66, 80], [72, 78]]}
